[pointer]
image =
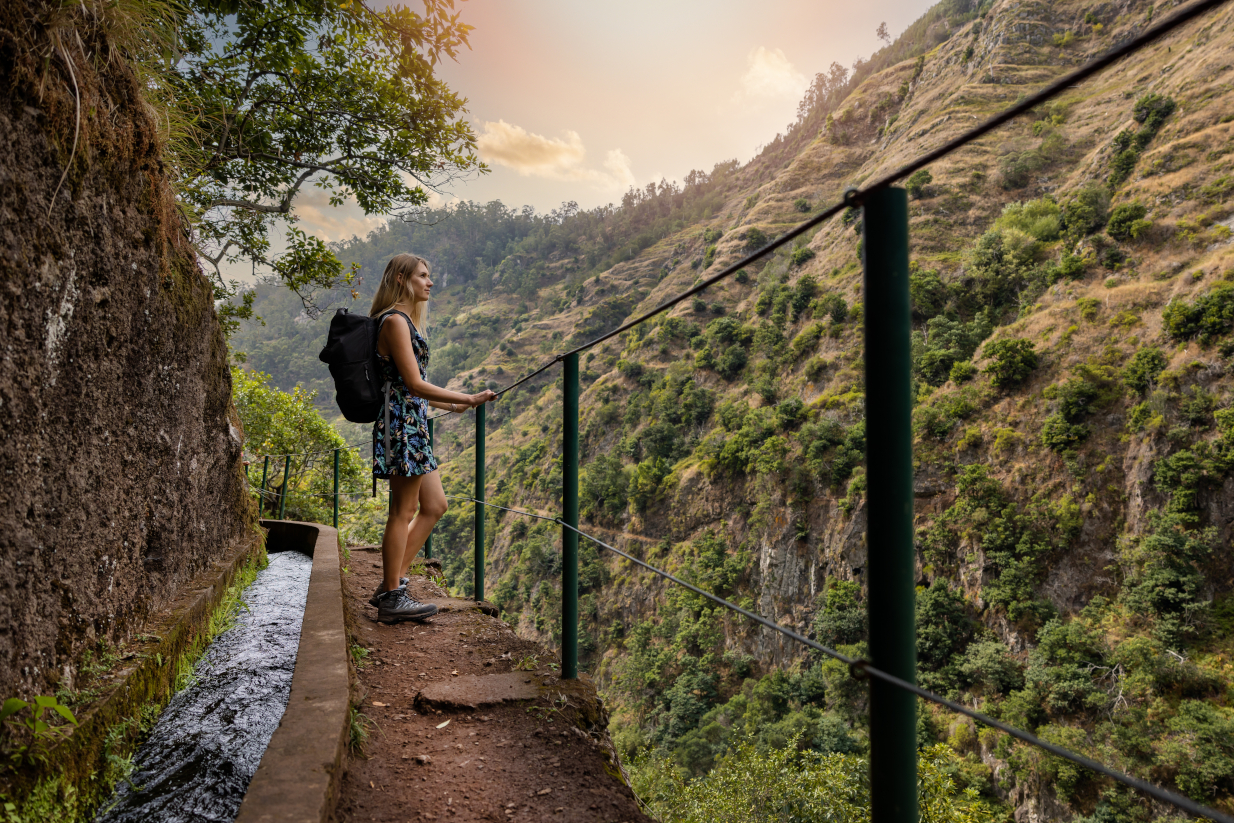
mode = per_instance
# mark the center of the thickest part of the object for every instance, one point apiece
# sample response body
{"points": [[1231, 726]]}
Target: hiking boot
{"points": [[396, 605], [372, 601]]}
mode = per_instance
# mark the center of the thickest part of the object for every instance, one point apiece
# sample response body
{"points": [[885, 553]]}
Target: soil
{"points": [[548, 758]]}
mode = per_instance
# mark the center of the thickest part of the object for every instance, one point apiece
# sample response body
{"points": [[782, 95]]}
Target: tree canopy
{"points": [[272, 96]]}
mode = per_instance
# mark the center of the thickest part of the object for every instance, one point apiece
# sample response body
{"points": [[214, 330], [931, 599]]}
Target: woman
{"points": [[410, 465]]}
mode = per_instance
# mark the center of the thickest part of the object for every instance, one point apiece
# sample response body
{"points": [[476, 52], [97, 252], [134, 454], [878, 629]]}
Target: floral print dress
{"points": [[410, 452]]}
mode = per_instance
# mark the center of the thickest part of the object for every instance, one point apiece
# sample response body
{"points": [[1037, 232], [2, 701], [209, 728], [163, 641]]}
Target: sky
{"points": [[578, 100]]}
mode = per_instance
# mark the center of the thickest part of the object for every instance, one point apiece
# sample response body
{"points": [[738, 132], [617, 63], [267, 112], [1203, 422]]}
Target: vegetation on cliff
{"points": [[1073, 347]]}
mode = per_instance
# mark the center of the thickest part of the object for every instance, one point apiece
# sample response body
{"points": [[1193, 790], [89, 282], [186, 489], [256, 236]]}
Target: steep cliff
{"points": [[1074, 433], [119, 444]]}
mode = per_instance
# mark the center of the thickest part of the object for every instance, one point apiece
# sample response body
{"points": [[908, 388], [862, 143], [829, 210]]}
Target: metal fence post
{"points": [[336, 489], [265, 471], [569, 514], [428, 541], [479, 558], [889, 512], [283, 492]]}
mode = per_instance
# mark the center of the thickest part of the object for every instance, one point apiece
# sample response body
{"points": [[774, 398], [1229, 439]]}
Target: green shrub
{"points": [[917, 182], [806, 341], [944, 630], [801, 204], [1017, 168], [832, 305], [1151, 112], [1166, 582], [709, 256], [832, 451], [1041, 219], [1209, 317], [1086, 211], [603, 487], [927, 293], [731, 361], [802, 255], [1071, 267], [962, 372], [754, 238], [1122, 218], [712, 235], [741, 277], [941, 415], [801, 295], [1140, 417], [988, 665], [842, 622], [645, 482], [945, 343], [1060, 435], [1013, 360], [1143, 369]]}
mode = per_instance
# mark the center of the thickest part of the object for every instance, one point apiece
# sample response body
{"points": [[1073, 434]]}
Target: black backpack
{"points": [[351, 354]]}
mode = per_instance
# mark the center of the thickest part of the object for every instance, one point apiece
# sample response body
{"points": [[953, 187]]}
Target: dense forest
{"points": [[1073, 305]]}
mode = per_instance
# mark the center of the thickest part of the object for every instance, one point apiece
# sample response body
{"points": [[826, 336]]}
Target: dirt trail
{"points": [[430, 757]]}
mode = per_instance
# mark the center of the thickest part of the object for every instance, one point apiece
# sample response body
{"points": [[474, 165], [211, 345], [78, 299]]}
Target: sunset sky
{"points": [[578, 100]]}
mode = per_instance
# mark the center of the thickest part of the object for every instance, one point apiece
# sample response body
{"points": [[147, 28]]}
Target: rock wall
{"points": [[118, 442]]}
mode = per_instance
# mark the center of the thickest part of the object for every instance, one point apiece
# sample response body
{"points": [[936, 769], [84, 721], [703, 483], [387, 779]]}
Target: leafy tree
{"points": [[1012, 361], [1143, 369], [278, 94], [927, 292], [842, 622], [757, 785], [1123, 218], [1086, 211], [603, 488], [944, 631], [287, 423]]}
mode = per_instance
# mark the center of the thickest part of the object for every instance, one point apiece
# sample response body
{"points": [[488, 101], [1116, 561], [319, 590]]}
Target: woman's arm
{"points": [[450, 407], [397, 340]]}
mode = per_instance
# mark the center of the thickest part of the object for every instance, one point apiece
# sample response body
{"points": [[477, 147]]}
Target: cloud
{"points": [[333, 223], [770, 77], [534, 155]]}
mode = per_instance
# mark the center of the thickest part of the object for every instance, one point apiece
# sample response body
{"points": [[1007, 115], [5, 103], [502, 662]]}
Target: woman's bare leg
{"points": [[404, 496], [432, 506]]}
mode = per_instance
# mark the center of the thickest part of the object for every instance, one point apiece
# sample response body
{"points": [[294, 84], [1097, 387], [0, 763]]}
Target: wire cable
{"points": [[856, 665], [503, 508]]}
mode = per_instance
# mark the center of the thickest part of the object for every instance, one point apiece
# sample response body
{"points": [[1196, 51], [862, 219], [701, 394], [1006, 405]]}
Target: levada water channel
{"points": [[198, 761]]}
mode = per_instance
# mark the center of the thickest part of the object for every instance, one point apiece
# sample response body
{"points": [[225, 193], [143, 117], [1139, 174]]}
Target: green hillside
{"points": [[1073, 300]]}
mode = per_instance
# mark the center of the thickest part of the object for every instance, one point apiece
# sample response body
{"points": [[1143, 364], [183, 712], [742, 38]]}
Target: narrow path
{"points": [[443, 745]]}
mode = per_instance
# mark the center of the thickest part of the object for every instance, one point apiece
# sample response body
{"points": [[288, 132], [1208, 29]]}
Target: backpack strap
{"points": [[385, 392]]}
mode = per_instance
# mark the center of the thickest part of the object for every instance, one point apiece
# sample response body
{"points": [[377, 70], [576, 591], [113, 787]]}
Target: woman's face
{"points": [[420, 283]]}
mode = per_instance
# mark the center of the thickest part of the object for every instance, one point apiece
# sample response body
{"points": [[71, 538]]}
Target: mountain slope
{"points": [[1074, 433]]}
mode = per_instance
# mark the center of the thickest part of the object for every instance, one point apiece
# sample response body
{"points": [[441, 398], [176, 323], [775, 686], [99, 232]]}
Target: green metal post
{"points": [[479, 560], [569, 514], [265, 471], [283, 491], [889, 513], [336, 489], [428, 541]]}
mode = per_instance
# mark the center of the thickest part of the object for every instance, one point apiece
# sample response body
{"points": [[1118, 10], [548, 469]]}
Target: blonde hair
{"points": [[390, 292]]}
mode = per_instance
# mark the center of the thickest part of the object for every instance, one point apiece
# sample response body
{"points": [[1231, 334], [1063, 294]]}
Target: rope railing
{"points": [[891, 581]]}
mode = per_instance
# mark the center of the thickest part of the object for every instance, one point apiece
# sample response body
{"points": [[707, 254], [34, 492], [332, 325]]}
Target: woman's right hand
{"points": [[486, 396]]}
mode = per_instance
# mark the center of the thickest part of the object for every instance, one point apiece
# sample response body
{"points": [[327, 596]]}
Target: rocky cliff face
{"points": [[119, 446]]}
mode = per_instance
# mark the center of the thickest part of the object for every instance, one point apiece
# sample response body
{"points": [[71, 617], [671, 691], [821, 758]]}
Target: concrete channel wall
{"points": [[298, 776]]}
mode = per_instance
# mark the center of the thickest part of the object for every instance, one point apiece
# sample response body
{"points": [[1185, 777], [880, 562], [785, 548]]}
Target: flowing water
{"points": [[205, 748]]}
